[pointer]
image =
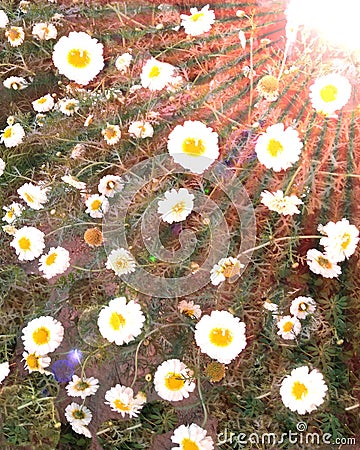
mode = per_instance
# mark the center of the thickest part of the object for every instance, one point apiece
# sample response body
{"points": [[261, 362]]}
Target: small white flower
{"points": [[289, 327], [198, 22], [82, 387], [15, 36], [155, 75], [4, 370], [269, 306], [221, 336], [330, 93], [79, 57], [278, 148], [190, 309], [172, 380], [68, 106], [43, 104], [97, 206], [341, 239], [2, 166], [42, 335], [33, 195], [28, 243], [321, 264], [176, 206], [282, 204], [4, 20], [141, 129], [225, 268], [15, 83], [79, 416], [302, 306], [55, 262], [36, 363], [122, 400], [191, 437], [109, 185], [122, 62], [44, 31], [303, 390], [13, 211], [13, 135], [121, 262], [112, 134], [74, 182]]}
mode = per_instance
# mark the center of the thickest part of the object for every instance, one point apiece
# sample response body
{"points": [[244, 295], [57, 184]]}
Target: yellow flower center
{"points": [[303, 306], [78, 58], [178, 208], [7, 133], [117, 321], [324, 262], [328, 93], [268, 84], [299, 390], [51, 259], [221, 337], [287, 327], [231, 270], [24, 243], [188, 444], [275, 148], [41, 336], [42, 100], [110, 133], [82, 385], [120, 405], [78, 414], [174, 381], [33, 362], [154, 72], [197, 16], [95, 205], [345, 241], [13, 34], [10, 214], [193, 147], [29, 197]]}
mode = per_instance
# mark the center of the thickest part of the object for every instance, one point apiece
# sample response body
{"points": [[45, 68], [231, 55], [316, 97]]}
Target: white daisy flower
{"points": [[121, 322], [34, 196], [341, 239], [225, 268], [282, 204], [121, 262], [79, 57], [4, 20], [303, 391], [277, 148], [269, 306], [176, 206], [289, 327], [2, 166], [191, 437], [321, 264], [97, 206], [79, 416], [4, 370], [36, 363], [44, 31], [112, 134], [15, 83], [82, 387], [198, 22], [68, 106], [193, 145], [122, 400], [42, 335], [141, 129], [268, 87], [302, 306], [13, 135], [43, 104], [15, 36], [172, 380], [330, 93], [28, 243], [109, 185], [55, 262], [221, 336], [74, 182], [9, 229], [13, 211], [189, 309], [122, 62], [155, 75]]}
